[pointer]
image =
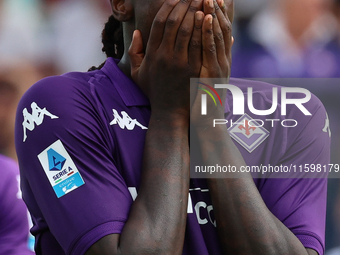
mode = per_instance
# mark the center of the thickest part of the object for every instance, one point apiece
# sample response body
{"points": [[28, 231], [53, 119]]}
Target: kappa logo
{"points": [[55, 160], [36, 118], [125, 121], [248, 133]]}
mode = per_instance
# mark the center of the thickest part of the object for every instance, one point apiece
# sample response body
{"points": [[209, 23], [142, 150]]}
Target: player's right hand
{"points": [[172, 56]]}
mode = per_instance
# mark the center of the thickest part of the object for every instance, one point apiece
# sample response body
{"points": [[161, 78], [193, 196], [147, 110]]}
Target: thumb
{"points": [[136, 53]]}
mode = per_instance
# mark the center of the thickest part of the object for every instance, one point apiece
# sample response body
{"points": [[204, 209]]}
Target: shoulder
{"points": [[62, 86], [58, 104], [58, 95]]}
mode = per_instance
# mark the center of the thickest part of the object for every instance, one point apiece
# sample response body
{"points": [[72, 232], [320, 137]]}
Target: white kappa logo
{"points": [[37, 117], [125, 121]]}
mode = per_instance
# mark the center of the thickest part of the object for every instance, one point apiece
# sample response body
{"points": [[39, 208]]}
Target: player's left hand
{"points": [[216, 58]]}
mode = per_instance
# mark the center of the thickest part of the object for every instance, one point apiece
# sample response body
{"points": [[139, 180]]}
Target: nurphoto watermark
{"points": [[280, 131]]}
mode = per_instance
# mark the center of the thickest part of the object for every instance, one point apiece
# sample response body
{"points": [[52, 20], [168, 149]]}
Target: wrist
{"points": [[211, 127], [170, 119]]}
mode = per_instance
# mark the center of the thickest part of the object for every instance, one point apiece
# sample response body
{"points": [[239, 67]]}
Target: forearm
{"points": [[157, 221], [244, 223]]}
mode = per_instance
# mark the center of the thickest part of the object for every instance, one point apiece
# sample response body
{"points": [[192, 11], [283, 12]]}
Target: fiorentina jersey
{"points": [[80, 140], [13, 212]]}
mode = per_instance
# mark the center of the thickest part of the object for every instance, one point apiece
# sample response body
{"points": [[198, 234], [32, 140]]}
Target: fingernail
{"points": [[211, 4], [210, 19], [199, 16]]}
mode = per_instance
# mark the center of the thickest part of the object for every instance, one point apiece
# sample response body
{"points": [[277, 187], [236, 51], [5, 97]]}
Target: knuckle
{"points": [[209, 31], [185, 1], [193, 9], [171, 4], [171, 22], [184, 31], [211, 48], [158, 20], [219, 36], [195, 44], [228, 27], [217, 7], [197, 4]]}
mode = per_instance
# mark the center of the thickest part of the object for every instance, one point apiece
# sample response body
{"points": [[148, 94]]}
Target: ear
{"points": [[122, 9]]}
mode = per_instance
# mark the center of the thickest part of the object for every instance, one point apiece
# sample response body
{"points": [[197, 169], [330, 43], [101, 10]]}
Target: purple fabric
{"points": [[109, 156], [13, 212]]}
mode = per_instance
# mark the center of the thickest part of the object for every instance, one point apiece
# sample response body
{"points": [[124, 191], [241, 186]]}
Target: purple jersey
{"points": [[13, 212], [80, 139]]}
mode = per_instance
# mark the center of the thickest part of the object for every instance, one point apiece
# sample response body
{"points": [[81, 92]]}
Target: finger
{"points": [[222, 6], [158, 24], [195, 46], [227, 7], [226, 28], [136, 54], [219, 39], [208, 42], [173, 23], [208, 7], [186, 29]]}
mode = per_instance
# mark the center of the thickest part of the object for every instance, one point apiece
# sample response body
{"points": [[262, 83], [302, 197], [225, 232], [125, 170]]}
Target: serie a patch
{"points": [[60, 169]]}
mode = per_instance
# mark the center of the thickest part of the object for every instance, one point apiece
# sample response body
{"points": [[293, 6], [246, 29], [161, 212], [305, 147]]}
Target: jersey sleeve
{"points": [[71, 184], [300, 203]]}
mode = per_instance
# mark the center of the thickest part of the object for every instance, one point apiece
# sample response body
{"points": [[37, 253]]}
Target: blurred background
{"points": [[273, 39], [297, 39]]}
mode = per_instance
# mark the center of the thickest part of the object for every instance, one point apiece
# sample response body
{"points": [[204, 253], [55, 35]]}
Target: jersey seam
{"points": [[101, 110]]}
